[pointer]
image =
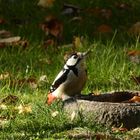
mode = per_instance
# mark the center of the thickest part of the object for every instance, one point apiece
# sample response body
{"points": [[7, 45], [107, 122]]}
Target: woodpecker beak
{"points": [[51, 98], [86, 53]]}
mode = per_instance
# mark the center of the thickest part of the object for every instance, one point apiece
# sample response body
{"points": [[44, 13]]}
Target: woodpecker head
{"points": [[76, 59]]}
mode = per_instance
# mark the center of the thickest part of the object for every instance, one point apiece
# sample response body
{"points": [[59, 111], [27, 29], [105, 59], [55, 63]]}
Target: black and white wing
{"points": [[60, 78]]}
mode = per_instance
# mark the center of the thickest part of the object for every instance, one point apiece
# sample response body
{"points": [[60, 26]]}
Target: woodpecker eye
{"points": [[75, 56]]}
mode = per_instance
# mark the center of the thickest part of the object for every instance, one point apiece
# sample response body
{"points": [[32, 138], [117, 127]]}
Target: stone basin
{"points": [[109, 109]]}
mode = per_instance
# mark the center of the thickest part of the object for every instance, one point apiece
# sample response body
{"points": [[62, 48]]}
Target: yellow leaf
{"points": [[4, 76], [77, 42], [55, 113], [22, 109], [3, 107]]}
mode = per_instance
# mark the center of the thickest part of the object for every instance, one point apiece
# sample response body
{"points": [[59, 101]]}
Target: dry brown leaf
{"points": [[134, 29], [46, 3], [10, 99], [104, 28], [24, 109], [49, 42], [135, 99], [4, 75], [133, 52], [119, 129], [134, 56], [52, 26]]}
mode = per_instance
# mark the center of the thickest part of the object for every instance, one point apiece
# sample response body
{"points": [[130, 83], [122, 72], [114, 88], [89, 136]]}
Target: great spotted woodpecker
{"points": [[71, 79]]}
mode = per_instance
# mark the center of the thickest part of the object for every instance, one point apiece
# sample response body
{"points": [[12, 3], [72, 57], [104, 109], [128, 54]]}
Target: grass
{"points": [[109, 68]]}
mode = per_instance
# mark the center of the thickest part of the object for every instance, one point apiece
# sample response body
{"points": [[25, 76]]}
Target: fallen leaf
{"points": [[134, 56], [135, 99], [4, 75], [4, 33], [10, 39], [53, 26], [23, 109], [133, 52], [55, 113], [104, 28], [134, 29], [3, 121], [119, 129], [10, 99], [77, 42], [46, 3], [49, 42], [69, 9], [43, 78], [3, 107]]}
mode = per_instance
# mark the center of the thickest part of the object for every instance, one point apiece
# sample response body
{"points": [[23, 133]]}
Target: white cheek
{"points": [[71, 62]]}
